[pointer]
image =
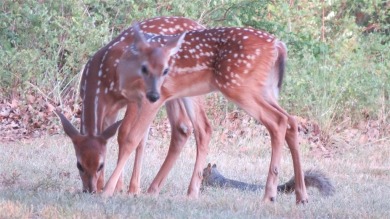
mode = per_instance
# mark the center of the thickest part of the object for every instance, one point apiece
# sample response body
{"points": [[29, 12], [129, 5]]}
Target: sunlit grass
{"points": [[39, 179]]}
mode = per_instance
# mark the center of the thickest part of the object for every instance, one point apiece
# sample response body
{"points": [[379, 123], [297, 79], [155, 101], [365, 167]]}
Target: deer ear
{"points": [[139, 39], [174, 44], [110, 131], [69, 129]]}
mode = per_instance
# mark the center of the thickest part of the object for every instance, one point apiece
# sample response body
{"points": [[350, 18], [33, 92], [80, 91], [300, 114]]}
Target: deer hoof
{"points": [[269, 200], [299, 202]]}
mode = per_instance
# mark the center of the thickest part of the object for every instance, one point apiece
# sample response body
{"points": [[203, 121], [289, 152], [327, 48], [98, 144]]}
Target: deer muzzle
{"points": [[152, 96], [153, 93]]}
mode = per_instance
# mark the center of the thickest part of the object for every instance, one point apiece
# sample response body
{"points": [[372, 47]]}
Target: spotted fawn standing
{"points": [[244, 64]]}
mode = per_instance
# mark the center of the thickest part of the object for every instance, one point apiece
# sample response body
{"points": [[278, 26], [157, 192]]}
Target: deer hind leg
{"points": [[293, 144], [202, 132], [276, 124], [181, 131]]}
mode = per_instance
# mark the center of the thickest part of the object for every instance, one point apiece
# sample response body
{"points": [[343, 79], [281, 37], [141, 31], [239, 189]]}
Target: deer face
{"points": [[149, 62], [90, 153], [154, 68]]}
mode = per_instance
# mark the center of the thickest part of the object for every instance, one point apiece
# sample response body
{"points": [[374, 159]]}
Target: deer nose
{"points": [[153, 96]]}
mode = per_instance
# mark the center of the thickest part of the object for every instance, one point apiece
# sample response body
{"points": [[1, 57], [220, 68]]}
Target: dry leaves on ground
{"points": [[31, 117]]}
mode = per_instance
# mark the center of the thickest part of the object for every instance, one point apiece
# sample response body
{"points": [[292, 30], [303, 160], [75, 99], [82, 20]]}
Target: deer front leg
{"points": [[130, 134], [135, 181]]}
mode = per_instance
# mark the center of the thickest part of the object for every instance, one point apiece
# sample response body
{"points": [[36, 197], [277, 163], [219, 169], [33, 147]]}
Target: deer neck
{"points": [[192, 68], [185, 85], [99, 91], [92, 107], [99, 84]]}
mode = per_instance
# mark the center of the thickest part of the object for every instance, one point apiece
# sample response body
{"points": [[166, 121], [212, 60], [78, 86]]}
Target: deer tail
{"points": [[281, 62]]}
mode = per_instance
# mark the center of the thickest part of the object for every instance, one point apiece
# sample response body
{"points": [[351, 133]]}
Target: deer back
{"points": [[201, 61]]}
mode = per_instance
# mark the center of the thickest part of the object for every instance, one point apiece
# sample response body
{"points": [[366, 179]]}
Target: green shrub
{"points": [[336, 69]]}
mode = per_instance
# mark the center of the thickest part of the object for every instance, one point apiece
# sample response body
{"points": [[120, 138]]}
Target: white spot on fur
{"points": [[112, 85], [190, 69]]}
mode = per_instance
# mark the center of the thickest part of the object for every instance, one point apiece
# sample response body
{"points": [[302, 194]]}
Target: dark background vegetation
{"points": [[337, 75]]}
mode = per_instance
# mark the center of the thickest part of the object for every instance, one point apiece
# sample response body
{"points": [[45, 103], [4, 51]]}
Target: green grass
{"points": [[39, 179]]}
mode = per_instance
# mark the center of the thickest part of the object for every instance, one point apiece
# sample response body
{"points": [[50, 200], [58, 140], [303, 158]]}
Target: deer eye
{"points": [[100, 167], [165, 72], [144, 70], [80, 167]]}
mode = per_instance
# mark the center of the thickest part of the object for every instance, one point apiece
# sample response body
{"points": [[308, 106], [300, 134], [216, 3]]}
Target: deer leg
{"points": [[277, 129], [119, 184], [202, 132], [292, 141], [132, 130], [181, 131], [293, 144], [110, 116], [135, 181], [276, 124], [100, 181], [109, 119]]}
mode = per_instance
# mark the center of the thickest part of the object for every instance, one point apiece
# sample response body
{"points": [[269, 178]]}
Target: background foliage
{"points": [[338, 66]]}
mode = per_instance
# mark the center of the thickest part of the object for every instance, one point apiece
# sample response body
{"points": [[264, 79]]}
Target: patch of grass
{"points": [[48, 185]]}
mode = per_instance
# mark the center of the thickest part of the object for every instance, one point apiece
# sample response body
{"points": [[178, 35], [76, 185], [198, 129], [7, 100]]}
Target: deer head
{"points": [[90, 153], [134, 63]]}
